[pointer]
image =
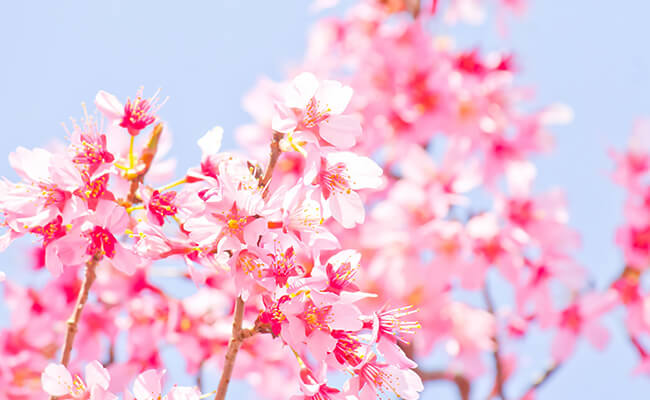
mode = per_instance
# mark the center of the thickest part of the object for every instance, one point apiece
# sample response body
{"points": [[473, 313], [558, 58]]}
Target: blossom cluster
{"points": [[632, 170], [458, 212], [369, 224], [259, 250]]}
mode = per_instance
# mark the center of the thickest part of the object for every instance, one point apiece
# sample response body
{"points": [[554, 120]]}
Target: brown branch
{"points": [[73, 321], [462, 383], [273, 159], [542, 379], [233, 348], [500, 376], [199, 377], [147, 156], [638, 346]]}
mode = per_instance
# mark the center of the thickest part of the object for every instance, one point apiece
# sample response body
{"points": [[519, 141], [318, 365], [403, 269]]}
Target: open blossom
{"points": [[338, 175], [101, 229], [314, 387], [135, 115], [375, 379], [581, 318], [315, 109], [57, 381]]}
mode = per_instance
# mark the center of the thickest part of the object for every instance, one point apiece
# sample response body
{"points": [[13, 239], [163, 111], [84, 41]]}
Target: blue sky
{"points": [[590, 54]]}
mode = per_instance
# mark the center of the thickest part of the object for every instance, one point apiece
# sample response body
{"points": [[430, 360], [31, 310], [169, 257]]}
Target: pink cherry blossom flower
{"points": [[108, 220], [338, 176], [57, 381], [581, 318], [134, 115], [314, 387], [375, 379], [312, 105]]}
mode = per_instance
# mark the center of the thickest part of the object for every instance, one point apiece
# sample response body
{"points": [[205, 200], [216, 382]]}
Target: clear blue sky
{"points": [[590, 54]]}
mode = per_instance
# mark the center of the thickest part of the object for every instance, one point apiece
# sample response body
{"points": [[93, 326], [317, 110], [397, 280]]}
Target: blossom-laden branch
{"points": [[238, 335]]}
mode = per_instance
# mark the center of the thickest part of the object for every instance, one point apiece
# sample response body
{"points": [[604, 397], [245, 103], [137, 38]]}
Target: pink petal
{"points": [[125, 260], [52, 261], [320, 343], [393, 354], [33, 165], [56, 380], [147, 385], [109, 105], [563, 344], [345, 317], [334, 96], [183, 393], [99, 393], [341, 130], [97, 375], [597, 335], [303, 88], [347, 208], [210, 143]]}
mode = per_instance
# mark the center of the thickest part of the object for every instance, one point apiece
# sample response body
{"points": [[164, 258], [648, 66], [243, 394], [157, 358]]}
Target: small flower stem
{"points": [[131, 155], [233, 348], [273, 159], [133, 208], [73, 322], [171, 185]]}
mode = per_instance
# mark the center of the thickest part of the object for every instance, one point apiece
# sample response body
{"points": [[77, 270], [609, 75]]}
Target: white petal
{"points": [[210, 143], [97, 375], [109, 105], [56, 380]]}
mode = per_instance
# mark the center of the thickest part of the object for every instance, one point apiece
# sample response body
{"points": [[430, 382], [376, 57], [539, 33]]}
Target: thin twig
{"points": [[462, 383], [638, 346], [273, 159], [199, 376], [499, 376], [542, 379], [73, 322], [233, 348]]}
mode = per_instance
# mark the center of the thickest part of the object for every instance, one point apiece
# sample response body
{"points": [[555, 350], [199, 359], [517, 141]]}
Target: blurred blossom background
{"points": [[589, 54]]}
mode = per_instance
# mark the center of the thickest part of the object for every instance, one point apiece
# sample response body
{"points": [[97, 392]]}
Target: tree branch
{"points": [[500, 376], [542, 379], [73, 321], [462, 383], [199, 376], [273, 159], [233, 348]]}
